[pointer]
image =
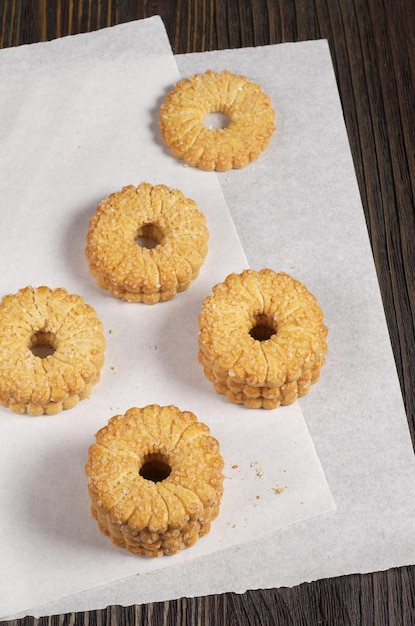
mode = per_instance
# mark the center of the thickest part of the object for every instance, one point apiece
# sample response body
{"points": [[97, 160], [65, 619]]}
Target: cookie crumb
{"points": [[278, 490], [258, 469]]}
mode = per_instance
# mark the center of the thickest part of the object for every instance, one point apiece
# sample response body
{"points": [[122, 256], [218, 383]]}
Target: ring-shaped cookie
{"points": [[51, 350], [155, 479], [137, 273], [249, 109], [262, 339]]}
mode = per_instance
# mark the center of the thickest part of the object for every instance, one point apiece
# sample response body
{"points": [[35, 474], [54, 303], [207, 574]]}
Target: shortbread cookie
{"points": [[51, 350], [262, 340], [138, 273], [155, 479], [249, 109]]}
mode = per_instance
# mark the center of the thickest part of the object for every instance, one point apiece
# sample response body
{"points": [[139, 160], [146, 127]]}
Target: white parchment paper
{"points": [[298, 208], [78, 120]]}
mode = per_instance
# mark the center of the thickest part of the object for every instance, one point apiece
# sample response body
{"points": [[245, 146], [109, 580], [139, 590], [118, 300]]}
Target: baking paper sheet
{"points": [[78, 120], [298, 208]]}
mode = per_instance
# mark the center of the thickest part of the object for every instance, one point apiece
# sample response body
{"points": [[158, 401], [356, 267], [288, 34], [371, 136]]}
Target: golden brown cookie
{"points": [[249, 109], [51, 350], [137, 273], [262, 340], [155, 479]]}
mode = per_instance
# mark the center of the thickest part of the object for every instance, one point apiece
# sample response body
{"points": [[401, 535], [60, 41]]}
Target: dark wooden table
{"points": [[372, 43]]}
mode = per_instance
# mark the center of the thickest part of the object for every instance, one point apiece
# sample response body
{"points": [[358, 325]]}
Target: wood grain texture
{"points": [[372, 43]]}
